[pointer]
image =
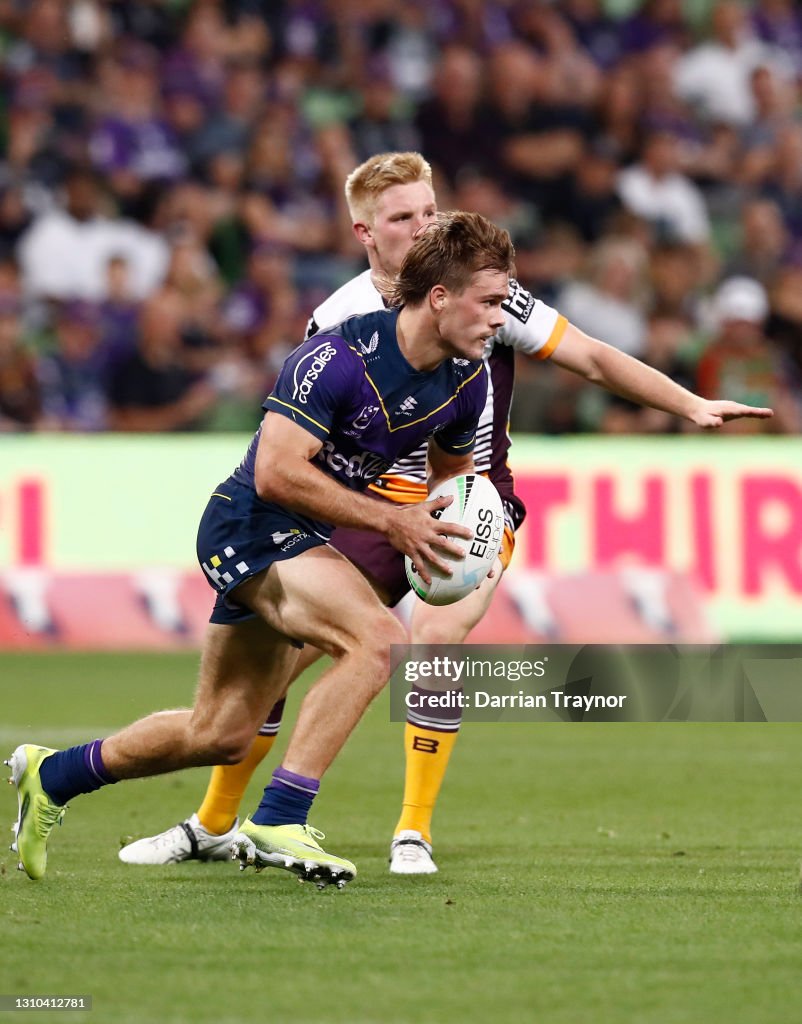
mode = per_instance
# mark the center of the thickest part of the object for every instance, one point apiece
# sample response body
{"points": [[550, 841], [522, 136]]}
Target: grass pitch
{"points": [[617, 873]]}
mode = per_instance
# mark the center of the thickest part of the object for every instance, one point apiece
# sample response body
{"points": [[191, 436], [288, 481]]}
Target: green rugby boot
{"points": [[37, 814], [292, 847]]}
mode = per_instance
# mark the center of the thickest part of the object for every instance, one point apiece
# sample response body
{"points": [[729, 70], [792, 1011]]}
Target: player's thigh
{"points": [[451, 623], [244, 669], [319, 597]]}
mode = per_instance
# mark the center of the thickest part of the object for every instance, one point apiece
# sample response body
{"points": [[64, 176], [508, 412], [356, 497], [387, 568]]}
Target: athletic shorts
{"points": [[380, 561], [239, 536]]}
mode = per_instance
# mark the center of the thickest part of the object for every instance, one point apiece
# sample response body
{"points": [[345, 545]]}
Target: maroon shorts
{"points": [[376, 557]]}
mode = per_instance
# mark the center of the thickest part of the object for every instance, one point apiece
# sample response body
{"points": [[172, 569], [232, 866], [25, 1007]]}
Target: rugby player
{"points": [[390, 198], [348, 404]]}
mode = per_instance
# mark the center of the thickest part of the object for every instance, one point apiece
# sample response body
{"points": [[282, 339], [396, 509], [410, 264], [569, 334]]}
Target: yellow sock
{"points": [[427, 756], [227, 786]]}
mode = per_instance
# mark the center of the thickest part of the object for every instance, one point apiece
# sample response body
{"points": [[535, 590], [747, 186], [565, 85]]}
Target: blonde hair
{"points": [[449, 252], [365, 183]]}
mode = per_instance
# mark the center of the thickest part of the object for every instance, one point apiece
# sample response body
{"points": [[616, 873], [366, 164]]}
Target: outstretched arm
{"points": [[602, 364]]}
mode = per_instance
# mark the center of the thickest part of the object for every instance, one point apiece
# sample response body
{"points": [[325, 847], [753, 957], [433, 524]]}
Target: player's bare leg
{"points": [[243, 669], [320, 598], [429, 737], [207, 834]]}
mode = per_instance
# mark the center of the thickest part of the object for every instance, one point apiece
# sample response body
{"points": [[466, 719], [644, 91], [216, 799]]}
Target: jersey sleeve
{"points": [[530, 326], [312, 327], [316, 379], [459, 436]]}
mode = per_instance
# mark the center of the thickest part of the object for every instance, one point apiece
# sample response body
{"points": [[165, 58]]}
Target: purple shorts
{"points": [[376, 557]]}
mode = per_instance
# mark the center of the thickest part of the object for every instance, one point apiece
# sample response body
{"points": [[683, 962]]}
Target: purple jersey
{"points": [[351, 388]]}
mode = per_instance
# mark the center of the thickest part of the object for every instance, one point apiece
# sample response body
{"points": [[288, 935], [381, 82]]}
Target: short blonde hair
{"points": [[365, 183]]}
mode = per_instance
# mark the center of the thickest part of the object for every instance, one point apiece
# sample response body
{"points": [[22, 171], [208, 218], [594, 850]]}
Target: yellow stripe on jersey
{"points": [[412, 423], [554, 339], [467, 443], [287, 405]]}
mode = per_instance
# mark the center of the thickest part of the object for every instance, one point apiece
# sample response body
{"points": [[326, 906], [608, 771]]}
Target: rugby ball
{"points": [[476, 505]]}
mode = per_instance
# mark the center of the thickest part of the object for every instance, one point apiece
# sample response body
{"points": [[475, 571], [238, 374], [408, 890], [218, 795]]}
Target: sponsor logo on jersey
{"points": [[365, 466], [519, 303], [362, 421], [371, 346], [311, 365], [407, 407]]}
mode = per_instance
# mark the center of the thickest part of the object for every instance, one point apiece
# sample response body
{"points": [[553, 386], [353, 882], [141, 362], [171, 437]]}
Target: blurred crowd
{"points": [[171, 205]]}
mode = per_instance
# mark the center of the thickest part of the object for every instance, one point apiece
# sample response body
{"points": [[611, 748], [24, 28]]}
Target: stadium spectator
{"points": [[763, 245], [571, 76], [739, 358], [775, 110], [657, 191], [132, 144], [598, 33], [153, 389], [20, 392], [593, 195], [73, 376], [537, 143], [785, 323], [652, 24], [610, 303], [238, 120], [65, 251], [779, 23], [714, 76], [228, 129], [448, 121], [783, 183], [676, 280], [669, 347]]}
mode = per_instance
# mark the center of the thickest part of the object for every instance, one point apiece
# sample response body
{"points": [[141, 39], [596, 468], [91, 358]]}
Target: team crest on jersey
{"points": [[362, 421], [372, 345]]}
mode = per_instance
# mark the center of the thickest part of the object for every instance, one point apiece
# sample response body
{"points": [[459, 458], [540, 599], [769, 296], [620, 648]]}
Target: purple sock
{"points": [[67, 773], [286, 799]]}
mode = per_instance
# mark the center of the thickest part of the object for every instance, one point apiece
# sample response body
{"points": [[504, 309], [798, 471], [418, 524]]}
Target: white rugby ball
{"points": [[476, 505]]}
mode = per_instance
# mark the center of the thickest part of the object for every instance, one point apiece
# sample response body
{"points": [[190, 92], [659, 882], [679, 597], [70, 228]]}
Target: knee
{"points": [[224, 746], [433, 631], [374, 646]]}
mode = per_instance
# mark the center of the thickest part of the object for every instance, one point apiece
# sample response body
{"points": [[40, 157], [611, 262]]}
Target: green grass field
{"points": [[638, 873]]}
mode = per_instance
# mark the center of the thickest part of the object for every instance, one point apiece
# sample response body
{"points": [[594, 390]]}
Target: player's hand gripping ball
{"points": [[476, 505]]}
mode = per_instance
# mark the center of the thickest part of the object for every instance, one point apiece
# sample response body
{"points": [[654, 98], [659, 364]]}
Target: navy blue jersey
{"points": [[351, 388]]}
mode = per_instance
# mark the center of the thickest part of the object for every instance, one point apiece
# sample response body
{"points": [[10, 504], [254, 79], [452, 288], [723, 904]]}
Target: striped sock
{"points": [[429, 738], [286, 799], [68, 773]]}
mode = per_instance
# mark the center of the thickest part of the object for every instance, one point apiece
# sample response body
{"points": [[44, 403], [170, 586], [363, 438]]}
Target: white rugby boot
{"points": [[410, 854], [188, 840]]}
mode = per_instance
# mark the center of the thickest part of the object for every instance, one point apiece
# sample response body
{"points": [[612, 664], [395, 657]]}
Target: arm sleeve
{"points": [[459, 436], [314, 382], [530, 326]]}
